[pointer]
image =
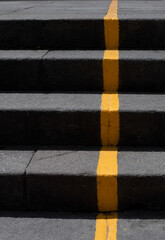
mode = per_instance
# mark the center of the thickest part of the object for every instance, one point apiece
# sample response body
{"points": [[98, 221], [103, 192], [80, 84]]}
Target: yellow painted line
{"points": [[106, 227], [109, 119], [107, 170], [110, 102], [111, 70], [111, 26]]}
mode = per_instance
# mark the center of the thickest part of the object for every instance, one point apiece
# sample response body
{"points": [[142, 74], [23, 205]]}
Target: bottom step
{"points": [[69, 226]]}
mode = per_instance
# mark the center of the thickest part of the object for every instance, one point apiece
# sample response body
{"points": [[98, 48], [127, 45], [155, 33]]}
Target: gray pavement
{"points": [[62, 226], [81, 9], [56, 10]]}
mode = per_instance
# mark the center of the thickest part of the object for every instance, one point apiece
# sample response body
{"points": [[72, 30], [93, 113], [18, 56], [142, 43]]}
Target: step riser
{"points": [[70, 193], [52, 34], [49, 128], [79, 71], [79, 34], [78, 128], [141, 34]]}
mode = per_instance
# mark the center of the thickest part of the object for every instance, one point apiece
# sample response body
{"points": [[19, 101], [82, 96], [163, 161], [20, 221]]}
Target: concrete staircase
{"points": [[81, 125]]}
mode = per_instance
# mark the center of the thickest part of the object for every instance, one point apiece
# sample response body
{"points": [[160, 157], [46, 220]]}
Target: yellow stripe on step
{"points": [[111, 26], [111, 70], [106, 227], [107, 170], [110, 102], [109, 119]]}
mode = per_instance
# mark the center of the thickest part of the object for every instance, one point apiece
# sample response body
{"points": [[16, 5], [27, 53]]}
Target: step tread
{"points": [[50, 102], [53, 10], [22, 54], [79, 102], [141, 10], [146, 55], [131, 162], [43, 10], [82, 226], [14, 162], [62, 226]]}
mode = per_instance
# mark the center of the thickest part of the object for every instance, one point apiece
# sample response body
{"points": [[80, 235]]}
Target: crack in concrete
{"points": [[22, 9], [29, 162], [56, 155], [45, 54]]}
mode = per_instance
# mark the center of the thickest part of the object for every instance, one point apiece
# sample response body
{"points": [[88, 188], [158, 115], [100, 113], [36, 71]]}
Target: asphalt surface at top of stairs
{"points": [[80, 9]]}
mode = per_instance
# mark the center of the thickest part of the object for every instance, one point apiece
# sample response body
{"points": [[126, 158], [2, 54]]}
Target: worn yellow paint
{"points": [[111, 70], [107, 169], [106, 227], [110, 119], [111, 26]]}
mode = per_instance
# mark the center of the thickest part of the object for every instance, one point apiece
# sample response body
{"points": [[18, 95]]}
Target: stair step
{"points": [[79, 70], [62, 226], [69, 179], [80, 24], [54, 24], [75, 119]]}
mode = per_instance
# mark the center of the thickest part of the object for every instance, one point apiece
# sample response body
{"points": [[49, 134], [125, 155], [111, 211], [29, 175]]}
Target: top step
{"points": [[80, 24]]}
